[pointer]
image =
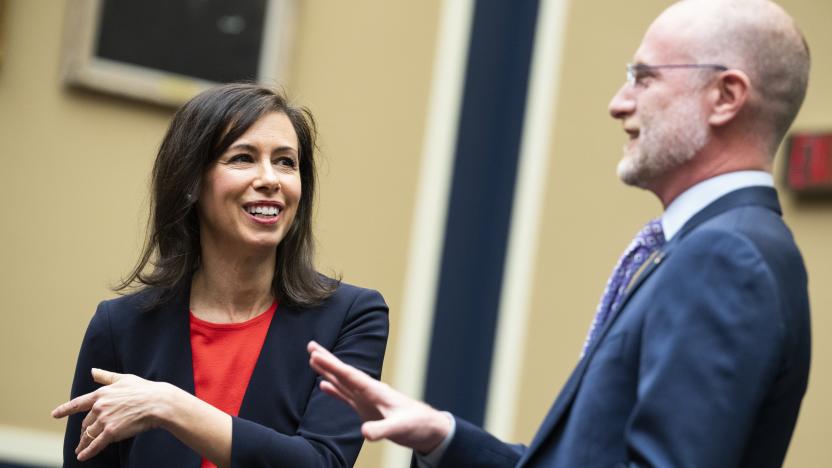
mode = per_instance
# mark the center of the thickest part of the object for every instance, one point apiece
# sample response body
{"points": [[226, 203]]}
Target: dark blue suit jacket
{"points": [[704, 364], [284, 421]]}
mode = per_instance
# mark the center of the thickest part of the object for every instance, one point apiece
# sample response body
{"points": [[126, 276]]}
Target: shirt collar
{"points": [[694, 199]]}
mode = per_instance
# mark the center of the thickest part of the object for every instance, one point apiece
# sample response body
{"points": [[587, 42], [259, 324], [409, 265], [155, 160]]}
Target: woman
{"points": [[208, 359]]}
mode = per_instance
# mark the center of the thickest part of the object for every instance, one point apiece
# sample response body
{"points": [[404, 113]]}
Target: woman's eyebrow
{"points": [[254, 149], [244, 146]]}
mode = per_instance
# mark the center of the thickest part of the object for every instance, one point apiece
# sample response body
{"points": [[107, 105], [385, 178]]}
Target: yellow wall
{"points": [[811, 221], [73, 191], [73, 186]]}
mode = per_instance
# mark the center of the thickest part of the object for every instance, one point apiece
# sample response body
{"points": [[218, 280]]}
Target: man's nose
{"points": [[622, 104]]}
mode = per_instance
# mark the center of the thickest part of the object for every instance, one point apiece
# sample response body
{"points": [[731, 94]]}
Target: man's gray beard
{"points": [[664, 146]]}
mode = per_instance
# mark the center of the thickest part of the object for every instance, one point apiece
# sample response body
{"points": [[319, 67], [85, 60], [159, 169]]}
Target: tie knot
{"points": [[651, 235]]}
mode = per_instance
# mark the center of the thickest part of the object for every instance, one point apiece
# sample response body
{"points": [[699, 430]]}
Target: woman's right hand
{"points": [[125, 406]]}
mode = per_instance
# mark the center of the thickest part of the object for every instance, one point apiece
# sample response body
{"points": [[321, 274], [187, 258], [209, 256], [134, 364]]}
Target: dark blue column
{"points": [[479, 211]]}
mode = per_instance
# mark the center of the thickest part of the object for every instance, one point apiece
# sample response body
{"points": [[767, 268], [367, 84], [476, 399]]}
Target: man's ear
{"points": [[729, 94]]}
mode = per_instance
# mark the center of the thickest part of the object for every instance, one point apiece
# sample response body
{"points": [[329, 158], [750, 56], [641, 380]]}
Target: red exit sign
{"points": [[809, 162]]}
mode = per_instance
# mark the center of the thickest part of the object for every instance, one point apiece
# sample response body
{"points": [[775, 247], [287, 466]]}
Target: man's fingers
{"points": [[312, 346], [329, 374], [329, 377], [332, 390], [331, 383], [352, 383], [322, 354], [315, 349], [380, 429], [105, 377], [363, 393], [324, 359], [76, 405], [324, 362]]}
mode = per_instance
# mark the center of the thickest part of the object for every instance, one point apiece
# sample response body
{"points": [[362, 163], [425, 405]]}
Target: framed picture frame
{"points": [[166, 51]]}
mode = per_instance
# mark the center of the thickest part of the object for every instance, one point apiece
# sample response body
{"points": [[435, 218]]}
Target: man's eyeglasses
{"points": [[637, 71]]}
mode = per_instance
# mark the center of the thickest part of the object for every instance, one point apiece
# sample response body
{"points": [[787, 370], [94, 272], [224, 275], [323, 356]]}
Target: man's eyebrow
{"points": [[647, 70]]}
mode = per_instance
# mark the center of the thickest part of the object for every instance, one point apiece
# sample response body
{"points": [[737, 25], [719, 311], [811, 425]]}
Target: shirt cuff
{"points": [[432, 459]]}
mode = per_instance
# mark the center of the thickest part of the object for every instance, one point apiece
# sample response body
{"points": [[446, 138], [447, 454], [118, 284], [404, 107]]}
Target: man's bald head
{"points": [[757, 37]]}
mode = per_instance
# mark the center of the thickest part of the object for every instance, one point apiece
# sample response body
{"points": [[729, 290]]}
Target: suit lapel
{"points": [[763, 196], [653, 262]]}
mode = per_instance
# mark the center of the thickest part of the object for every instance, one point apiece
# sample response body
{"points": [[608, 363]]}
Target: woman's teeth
{"points": [[263, 210]]}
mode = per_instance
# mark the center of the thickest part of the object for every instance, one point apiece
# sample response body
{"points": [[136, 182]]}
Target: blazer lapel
{"points": [[281, 361], [260, 388], [172, 362], [175, 361]]}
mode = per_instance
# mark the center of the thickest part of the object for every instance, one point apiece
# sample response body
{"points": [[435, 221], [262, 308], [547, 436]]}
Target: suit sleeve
{"points": [[96, 351], [709, 349], [329, 434], [474, 447]]}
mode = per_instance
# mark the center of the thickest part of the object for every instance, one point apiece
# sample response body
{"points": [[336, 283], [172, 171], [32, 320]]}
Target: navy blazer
{"points": [[704, 364], [284, 420]]}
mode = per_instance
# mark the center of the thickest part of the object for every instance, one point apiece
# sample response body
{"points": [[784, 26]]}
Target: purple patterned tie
{"points": [[648, 239]]}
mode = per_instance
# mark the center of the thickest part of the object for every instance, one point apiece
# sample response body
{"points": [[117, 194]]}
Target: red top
{"points": [[224, 355]]}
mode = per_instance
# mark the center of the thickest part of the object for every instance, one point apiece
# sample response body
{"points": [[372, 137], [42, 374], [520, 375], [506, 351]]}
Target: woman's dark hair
{"points": [[201, 131]]}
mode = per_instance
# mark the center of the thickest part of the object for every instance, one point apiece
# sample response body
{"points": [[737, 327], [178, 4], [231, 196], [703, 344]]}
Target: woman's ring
{"points": [[87, 433]]}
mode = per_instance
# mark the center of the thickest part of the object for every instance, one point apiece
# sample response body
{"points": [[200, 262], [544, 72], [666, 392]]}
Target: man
{"points": [[699, 354]]}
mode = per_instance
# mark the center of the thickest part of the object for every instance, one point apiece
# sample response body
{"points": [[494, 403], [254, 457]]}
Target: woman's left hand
{"points": [[125, 406]]}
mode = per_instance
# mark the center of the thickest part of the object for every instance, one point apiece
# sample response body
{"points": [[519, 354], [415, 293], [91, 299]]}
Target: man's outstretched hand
{"points": [[386, 412]]}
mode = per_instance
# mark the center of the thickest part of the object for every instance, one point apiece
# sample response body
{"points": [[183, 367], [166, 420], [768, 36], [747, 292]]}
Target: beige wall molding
{"points": [[530, 188], [41, 448], [430, 211]]}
